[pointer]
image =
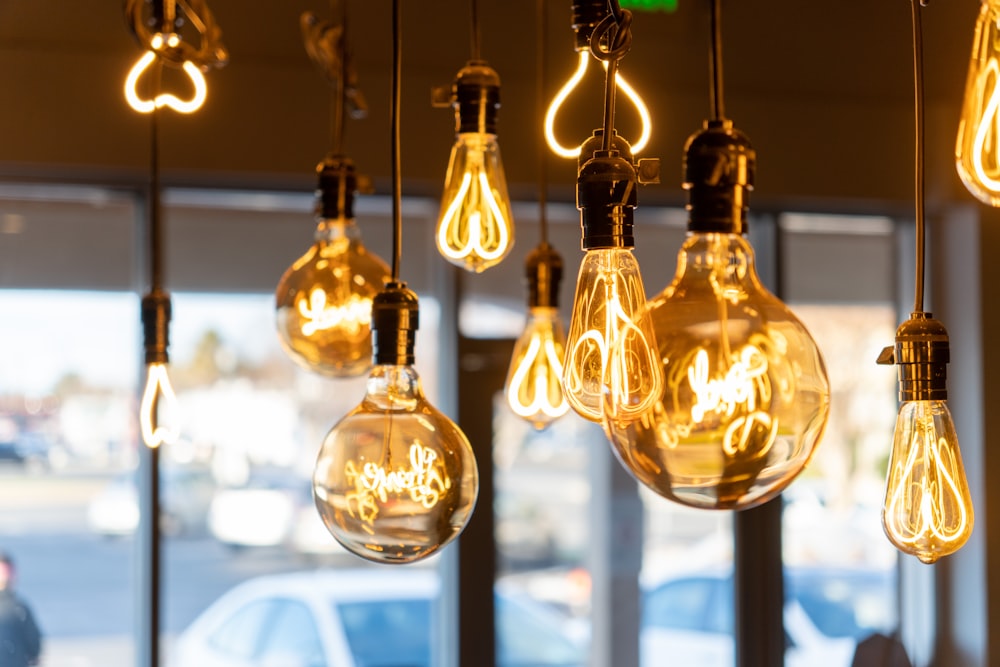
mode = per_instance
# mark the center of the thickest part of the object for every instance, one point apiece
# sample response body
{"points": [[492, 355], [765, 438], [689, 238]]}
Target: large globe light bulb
{"points": [[977, 148], [323, 301], [928, 510], [745, 396], [475, 228], [395, 479]]}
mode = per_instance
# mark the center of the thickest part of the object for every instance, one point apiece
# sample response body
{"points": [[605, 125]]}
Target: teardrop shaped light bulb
{"points": [[534, 380], [158, 420], [395, 479], [977, 148], [928, 508], [323, 301]]}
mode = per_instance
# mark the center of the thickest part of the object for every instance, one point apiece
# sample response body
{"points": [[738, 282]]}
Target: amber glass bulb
{"points": [[158, 408], [977, 148], [611, 363], [324, 301], [534, 380], [395, 480], [928, 509], [745, 396]]}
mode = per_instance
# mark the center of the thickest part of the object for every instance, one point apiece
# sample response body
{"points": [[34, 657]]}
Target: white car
{"points": [[355, 618]]}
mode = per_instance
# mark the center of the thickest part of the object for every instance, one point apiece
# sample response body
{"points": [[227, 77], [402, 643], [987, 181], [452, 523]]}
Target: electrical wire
{"points": [[476, 34], [715, 63], [918, 91], [339, 94], [397, 67], [615, 32], [543, 26]]}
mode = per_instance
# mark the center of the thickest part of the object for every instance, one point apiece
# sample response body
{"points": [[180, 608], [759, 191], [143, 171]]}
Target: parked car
{"points": [[355, 618], [827, 612]]}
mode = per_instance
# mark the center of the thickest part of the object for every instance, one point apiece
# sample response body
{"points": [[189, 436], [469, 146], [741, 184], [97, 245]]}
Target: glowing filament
{"points": [[157, 399], [425, 482], [536, 378], [569, 86], [987, 125], [473, 224], [164, 99], [351, 317]]}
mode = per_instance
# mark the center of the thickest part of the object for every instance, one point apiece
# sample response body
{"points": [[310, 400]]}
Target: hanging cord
{"points": [[715, 63], [542, 152], [474, 26], [397, 67], [155, 227], [616, 34], [918, 89], [340, 86]]}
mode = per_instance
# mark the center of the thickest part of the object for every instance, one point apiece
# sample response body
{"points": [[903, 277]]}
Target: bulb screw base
{"points": [[395, 320], [155, 308], [606, 196], [339, 182], [719, 170], [543, 268], [475, 96], [922, 354]]}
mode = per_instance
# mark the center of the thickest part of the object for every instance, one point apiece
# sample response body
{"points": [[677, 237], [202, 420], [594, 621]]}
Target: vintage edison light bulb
{"points": [[158, 409], [745, 396], [475, 229], [611, 367], [395, 480], [323, 301], [534, 381], [586, 14], [977, 148], [927, 510]]}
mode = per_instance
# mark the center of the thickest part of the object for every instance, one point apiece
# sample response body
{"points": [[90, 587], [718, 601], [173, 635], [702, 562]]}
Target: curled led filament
{"points": [[534, 391], [985, 145], [164, 99], [159, 405], [474, 229], [425, 481], [557, 102], [350, 317]]}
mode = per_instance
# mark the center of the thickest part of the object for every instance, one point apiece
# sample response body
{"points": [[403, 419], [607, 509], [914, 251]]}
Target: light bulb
{"points": [[158, 409], [395, 479], [534, 381], [977, 148], [611, 368], [475, 229], [745, 397], [928, 508], [324, 299], [141, 105]]}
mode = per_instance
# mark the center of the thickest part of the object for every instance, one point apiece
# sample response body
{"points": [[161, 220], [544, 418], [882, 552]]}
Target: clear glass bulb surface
{"points": [[534, 380], [611, 364], [977, 148], [475, 229], [395, 480], [158, 419], [324, 302], [745, 396], [928, 509]]}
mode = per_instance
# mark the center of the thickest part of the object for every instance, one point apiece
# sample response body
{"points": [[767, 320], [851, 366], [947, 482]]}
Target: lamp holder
{"points": [[395, 320], [475, 96], [922, 353], [606, 196], [719, 170], [586, 14], [543, 269], [339, 182], [155, 311]]}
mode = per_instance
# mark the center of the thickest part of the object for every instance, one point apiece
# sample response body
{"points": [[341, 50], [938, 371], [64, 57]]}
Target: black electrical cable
{"points": [[918, 91], [476, 34], [715, 63], [397, 67], [610, 41], [339, 93], [542, 21]]}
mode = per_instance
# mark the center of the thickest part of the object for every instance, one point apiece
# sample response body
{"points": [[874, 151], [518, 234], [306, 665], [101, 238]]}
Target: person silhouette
{"points": [[20, 638]]}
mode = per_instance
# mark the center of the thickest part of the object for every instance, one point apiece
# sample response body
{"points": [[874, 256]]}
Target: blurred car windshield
{"points": [[388, 633]]}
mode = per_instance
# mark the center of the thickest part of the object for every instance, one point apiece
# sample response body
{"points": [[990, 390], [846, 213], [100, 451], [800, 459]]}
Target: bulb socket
{"points": [[606, 196], [586, 14], [595, 143], [921, 353], [155, 309], [338, 183], [395, 320], [719, 170], [475, 95], [543, 269]]}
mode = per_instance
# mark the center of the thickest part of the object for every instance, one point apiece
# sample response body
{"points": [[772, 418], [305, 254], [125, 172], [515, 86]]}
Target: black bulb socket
{"points": [[155, 310], [475, 94], [395, 320], [543, 269], [921, 354], [595, 143], [338, 184], [719, 170], [606, 196], [586, 14]]}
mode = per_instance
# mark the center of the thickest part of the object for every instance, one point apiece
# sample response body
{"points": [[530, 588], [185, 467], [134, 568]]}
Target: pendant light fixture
{"points": [[475, 228], [395, 479], [534, 380], [927, 510], [323, 301], [611, 368], [977, 148], [745, 396], [586, 16]]}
